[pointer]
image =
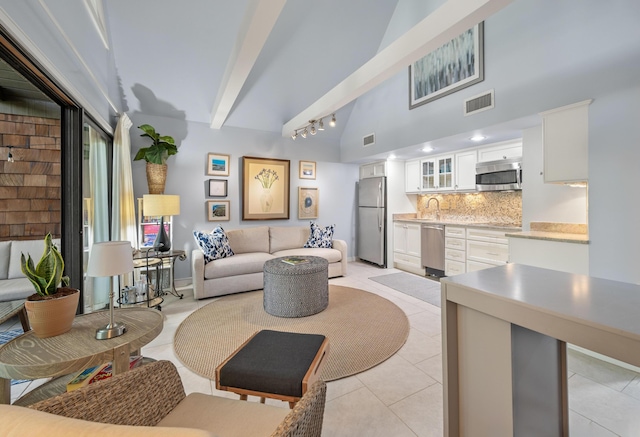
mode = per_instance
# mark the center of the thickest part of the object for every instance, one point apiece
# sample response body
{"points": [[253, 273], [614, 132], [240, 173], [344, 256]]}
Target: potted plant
{"points": [[52, 308], [156, 156]]}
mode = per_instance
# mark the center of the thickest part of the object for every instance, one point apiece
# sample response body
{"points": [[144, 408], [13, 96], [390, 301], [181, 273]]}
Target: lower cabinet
{"points": [[454, 250], [406, 247], [486, 248]]}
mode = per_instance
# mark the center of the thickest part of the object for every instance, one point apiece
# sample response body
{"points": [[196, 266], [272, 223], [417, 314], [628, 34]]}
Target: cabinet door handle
{"points": [[492, 253]]}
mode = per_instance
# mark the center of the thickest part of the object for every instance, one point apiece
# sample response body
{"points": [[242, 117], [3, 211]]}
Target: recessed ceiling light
{"points": [[391, 157], [477, 138], [427, 149]]}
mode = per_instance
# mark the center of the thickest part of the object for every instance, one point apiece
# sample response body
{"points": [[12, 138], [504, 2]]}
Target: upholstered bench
{"points": [[274, 364]]}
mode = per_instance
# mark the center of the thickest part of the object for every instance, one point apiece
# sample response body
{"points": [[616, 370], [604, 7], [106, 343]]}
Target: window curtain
{"points": [[123, 215]]}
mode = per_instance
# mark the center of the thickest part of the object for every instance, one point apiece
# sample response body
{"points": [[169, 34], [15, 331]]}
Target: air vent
{"points": [[368, 140], [478, 103]]}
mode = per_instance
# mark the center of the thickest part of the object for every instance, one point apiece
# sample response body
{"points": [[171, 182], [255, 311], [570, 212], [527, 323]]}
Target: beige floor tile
{"points": [[194, 383], [432, 367], [422, 412], [419, 347], [341, 387], [580, 426], [427, 323], [633, 389], [607, 374], [361, 414]]}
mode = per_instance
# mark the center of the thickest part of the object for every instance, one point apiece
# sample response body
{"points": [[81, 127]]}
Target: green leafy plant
{"points": [[160, 150], [47, 275]]}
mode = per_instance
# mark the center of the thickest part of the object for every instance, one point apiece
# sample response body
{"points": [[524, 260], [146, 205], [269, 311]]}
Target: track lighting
{"points": [[10, 155], [311, 127]]}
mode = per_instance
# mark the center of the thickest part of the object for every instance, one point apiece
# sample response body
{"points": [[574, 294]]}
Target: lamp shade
{"points": [[160, 204], [110, 258]]}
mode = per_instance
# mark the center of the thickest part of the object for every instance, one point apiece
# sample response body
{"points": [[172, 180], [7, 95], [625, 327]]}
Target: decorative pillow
{"points": [[320, 237], [214, 245]]}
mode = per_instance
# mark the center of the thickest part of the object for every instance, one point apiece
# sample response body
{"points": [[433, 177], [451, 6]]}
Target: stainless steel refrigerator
{"points": [[372, 220]]}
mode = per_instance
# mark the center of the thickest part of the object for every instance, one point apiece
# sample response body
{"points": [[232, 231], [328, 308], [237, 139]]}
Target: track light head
{"points": [[332, 123], [312, 131], [320, 125], [294, 135], [304, 133]]}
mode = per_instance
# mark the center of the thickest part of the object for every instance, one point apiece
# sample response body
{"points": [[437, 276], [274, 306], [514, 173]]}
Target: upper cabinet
{"points": [[412, 176], [437, 173], [373, 170], [465, 174], [565, 140], [509, 149]]}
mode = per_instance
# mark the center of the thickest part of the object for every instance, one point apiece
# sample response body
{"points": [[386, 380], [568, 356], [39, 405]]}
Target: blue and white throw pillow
{"points": [[320, 237], [214, 245]]}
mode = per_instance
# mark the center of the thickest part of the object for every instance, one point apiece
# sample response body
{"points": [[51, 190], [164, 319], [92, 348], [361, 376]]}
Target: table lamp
{"points": [[162, 205], [110, 258]]}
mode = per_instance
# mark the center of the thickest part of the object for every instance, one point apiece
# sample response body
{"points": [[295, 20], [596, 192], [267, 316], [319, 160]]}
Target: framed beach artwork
{"points": [[307, 170], [218, 210], [451, 67], [265, 188], [217, 164], [308, 202], [217, 188]]}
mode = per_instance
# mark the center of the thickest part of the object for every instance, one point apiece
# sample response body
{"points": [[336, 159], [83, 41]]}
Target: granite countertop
{"points": [[562, 232], [486, 225]]}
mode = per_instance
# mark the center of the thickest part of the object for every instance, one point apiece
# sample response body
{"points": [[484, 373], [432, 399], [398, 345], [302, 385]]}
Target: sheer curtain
{"points": [[123, 215]]}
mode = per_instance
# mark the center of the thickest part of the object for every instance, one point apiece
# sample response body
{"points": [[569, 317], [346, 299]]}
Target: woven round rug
{"points": [[363, 329]]}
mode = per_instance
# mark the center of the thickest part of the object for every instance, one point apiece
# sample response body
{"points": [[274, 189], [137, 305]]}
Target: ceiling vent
{"points": [[368, 140], [478, 103]]}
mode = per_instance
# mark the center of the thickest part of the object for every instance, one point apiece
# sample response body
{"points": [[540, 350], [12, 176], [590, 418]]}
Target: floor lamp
{"points": [[110, 258], [154, 205]]}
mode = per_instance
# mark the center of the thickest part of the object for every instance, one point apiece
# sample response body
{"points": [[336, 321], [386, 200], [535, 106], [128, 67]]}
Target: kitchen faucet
{"points": [[437, 206]]}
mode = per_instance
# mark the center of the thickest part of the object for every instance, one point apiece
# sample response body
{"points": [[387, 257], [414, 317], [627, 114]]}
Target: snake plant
{"points": [[47, 275]]}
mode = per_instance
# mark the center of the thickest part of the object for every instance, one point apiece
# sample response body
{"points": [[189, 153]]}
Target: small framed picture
{"points": [[307, 203], [217, 188], [307, 170], [218, 164], [218, 210]]}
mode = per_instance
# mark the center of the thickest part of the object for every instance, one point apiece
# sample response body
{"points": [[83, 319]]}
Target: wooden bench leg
{"points": [[243, 397]]}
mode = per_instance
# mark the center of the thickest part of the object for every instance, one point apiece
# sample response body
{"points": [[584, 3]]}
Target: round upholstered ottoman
{"points": [[296, 286]]}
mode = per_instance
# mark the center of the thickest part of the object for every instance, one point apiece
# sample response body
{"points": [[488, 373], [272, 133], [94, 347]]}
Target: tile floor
{"points": [[403, 395]]}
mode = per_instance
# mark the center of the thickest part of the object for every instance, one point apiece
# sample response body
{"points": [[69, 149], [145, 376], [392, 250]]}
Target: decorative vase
{"points": [[266, 200], [156, 177], [52, 315]]}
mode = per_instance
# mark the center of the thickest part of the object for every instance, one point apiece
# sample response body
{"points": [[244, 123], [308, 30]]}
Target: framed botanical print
{"points": [[265, 190], [218, 164], [307, 170], [217, 188], [218, 210], [456, 64], [308, 203]]}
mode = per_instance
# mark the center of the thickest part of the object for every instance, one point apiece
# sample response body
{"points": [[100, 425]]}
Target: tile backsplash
{"points": [[500, 207]]}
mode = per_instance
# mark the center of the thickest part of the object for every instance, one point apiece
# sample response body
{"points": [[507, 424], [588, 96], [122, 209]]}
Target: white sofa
{"points": [[252, 247], [13, 284]]}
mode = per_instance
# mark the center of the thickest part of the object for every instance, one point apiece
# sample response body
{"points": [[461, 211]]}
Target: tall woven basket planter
{"points": [[156, 177]]}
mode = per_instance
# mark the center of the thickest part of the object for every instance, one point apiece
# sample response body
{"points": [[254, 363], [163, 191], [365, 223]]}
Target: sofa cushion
{"points": [[35, 248], [5, 252], [254, 239], [21, 421], [225, 417], [319, 236], [239, 264], [287, 237], [14, 289], [214, 245], [331, 255]]}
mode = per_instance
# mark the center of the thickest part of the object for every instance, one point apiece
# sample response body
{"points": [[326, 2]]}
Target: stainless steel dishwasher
{"points": [[432, 249]]}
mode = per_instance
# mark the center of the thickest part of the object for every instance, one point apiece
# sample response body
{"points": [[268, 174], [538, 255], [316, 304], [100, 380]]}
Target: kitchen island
{"points": [[505, 332]]}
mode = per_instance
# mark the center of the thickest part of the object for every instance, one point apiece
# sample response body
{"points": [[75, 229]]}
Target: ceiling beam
{"points": [[441, 26], [258, 22]]}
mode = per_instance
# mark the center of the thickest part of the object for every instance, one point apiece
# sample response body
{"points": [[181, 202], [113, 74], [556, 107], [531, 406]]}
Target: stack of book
{"points": [[98, 373]]}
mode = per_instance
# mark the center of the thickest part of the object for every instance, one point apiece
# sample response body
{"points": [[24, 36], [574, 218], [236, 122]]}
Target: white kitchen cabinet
{"points": [[555, 255], [437, 173], [486, 248], [565, 140], [374, 169], [454, 250], [406, 247], [465, 170], [508, 149], [412, 176]]}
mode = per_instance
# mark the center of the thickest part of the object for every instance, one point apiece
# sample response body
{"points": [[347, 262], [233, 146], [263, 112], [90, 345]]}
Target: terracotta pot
{"points": [[54, 315], [156, 177]]}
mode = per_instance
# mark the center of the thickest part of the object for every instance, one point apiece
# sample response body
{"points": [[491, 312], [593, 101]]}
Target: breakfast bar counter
{"points": [[505, 331]]}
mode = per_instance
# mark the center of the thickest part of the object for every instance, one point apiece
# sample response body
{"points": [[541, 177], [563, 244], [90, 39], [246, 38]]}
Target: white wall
{"points": [[187, 177], [546, 202]]}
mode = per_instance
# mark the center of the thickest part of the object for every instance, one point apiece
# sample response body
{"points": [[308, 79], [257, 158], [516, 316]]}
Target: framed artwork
{"points": [[308, 203], [218, 210], [451, 67], [265, 188], [307, 170], [218, 164], [217, 188]]}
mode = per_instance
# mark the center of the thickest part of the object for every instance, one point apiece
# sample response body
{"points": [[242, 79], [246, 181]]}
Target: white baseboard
{"points": [[605, 358]]}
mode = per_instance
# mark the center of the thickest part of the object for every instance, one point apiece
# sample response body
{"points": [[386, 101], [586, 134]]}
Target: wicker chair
{"points": [[146, 396]]}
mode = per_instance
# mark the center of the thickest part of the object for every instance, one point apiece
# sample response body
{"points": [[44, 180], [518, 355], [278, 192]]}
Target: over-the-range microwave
{"points": [[501, 175]]}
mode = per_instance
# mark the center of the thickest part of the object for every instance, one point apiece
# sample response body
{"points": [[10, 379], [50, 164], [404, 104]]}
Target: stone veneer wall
{"points": [[30, 187], [499, 207]]}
